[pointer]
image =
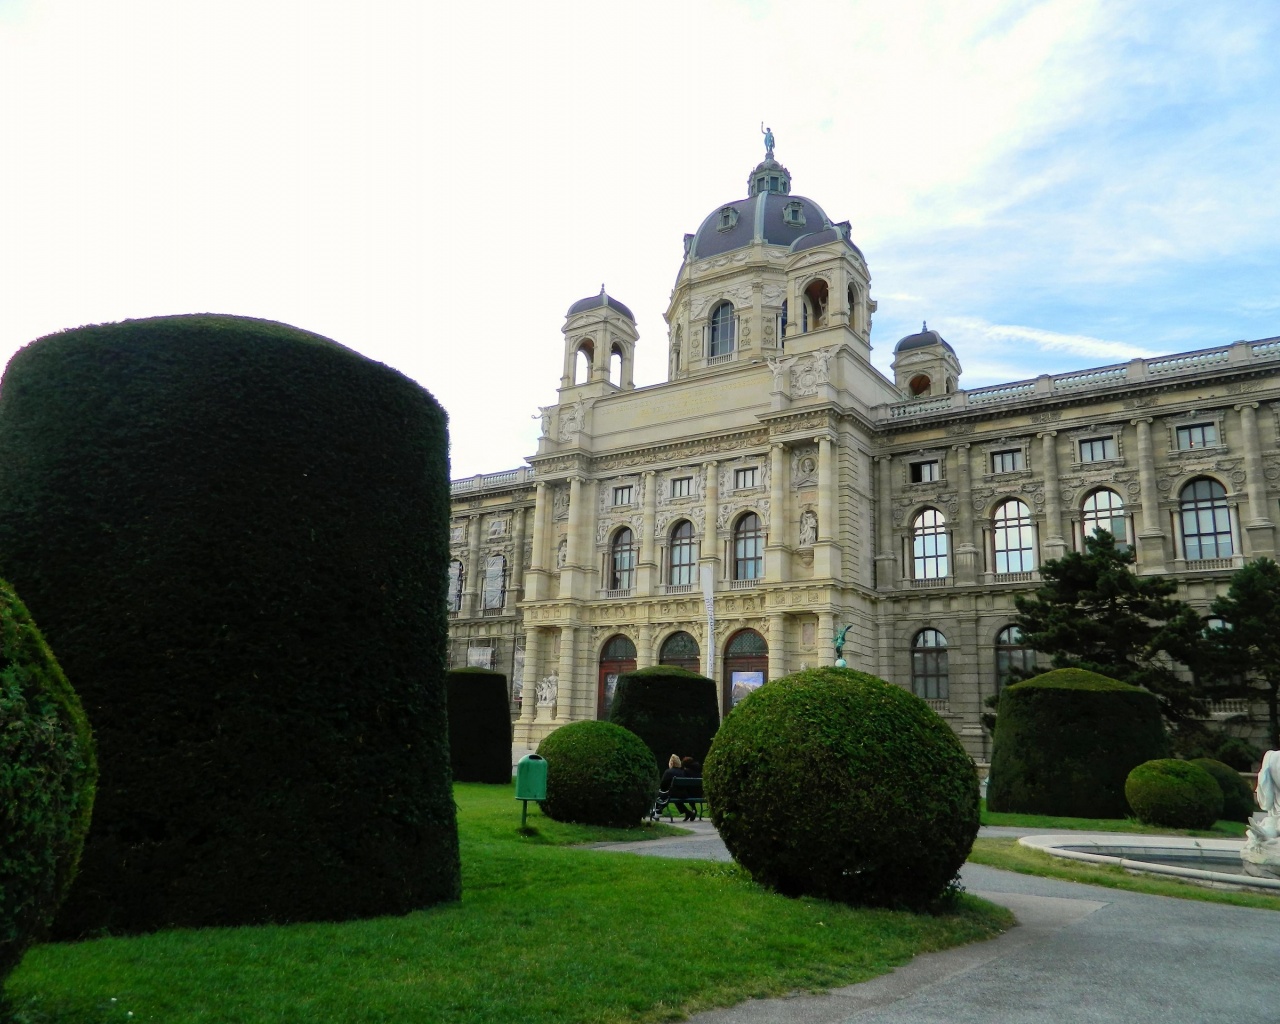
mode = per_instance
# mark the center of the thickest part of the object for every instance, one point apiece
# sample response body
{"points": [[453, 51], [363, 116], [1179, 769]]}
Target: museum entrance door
{"points": [[618, 656], [746, 667]]}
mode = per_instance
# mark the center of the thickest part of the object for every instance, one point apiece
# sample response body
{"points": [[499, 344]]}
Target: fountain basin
{"points": [[1212, 862]]}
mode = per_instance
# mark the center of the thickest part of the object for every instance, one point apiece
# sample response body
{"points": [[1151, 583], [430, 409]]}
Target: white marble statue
{"points": [[1261, 853], [547, 687], [808, 528]]}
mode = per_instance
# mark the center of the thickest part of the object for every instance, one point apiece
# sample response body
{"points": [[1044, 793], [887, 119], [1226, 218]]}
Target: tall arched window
{"points": [[684, 555], [622, 560], [1013, 660], [748, 548], [455, 586], [1014, 537], [721, 340], [1104, 510], [929, 545], [680, 649], [1206, 520], [929, 673], [495, 582], [582, 362]]}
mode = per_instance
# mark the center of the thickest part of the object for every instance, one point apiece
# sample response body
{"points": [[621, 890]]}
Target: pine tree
{"points": [[1093, 612], [1249, 641]]}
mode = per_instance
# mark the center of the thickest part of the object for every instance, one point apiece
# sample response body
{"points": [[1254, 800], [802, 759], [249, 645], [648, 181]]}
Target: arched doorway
{"points": [[681, 650], [618, 656], [746, 666]]}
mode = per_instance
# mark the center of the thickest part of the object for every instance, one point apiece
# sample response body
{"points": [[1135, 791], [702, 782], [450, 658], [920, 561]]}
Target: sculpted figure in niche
{"points": [[547, 688], [572, 423], [562, 552], [808, 528], [820, 360], [560, 503]]}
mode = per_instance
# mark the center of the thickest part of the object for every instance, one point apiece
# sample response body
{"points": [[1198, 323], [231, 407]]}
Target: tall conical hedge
{"points": [[479, 725], [47, 773], [1065, 742], [233, 534]]}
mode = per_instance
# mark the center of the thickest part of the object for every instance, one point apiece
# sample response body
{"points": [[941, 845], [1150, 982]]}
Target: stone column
{"points": [[968, 556], [475, 571], [1053, 544], [709, 552], [777, 645], [886, 560], [516, 590], [1260, 528], [1150, 539], [572, 571], [644, 647], [827, 639], [529, 694], [647, 569], [569, 703], [777, 552], [826, 552], [538, 585]]}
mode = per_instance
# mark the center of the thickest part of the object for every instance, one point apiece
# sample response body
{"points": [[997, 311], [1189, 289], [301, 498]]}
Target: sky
{"points": [[1051, 184]]}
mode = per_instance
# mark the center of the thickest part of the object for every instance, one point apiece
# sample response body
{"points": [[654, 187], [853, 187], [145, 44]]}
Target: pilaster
{"points": [[1259, 527], [968, 557], [1151, 546], [1054, 544], [777, 553]]}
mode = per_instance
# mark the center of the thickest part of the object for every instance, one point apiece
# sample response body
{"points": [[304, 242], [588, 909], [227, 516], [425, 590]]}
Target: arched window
{"points": [[582, 362], [495, 582], [684, 555], [782, 324], [1014, 537], [454, 596], [748, 548], [929, 545], [1013, 660], [721, 341], [1104, 510], [746, 666], [622, 560], [816, 299], [617, 657], [929, 677], [1206, 520], [615, 366], [680, 649]]}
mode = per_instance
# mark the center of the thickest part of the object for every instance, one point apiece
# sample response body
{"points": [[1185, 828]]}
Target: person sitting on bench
{"points": [[675, 770]]}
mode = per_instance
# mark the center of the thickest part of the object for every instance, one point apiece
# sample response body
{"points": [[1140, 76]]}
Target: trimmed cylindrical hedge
{"points": [[837, 784], [1174, 794], [47, 774], [598, 773], [479, 725], [673, 710], [234, 535], [1237, 798], [1065, 742]]}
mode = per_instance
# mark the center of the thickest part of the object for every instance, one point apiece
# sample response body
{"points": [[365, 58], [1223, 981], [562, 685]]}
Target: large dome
{"points": [[774, 218]]}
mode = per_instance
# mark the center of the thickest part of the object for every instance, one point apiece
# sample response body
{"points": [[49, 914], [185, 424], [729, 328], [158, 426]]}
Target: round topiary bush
{"points": [[834, 783], [234, 534], [598, 773], [1174, 794], [1237, 798], [47, 773], [1065, 742], [672, 709], [479, 725]]}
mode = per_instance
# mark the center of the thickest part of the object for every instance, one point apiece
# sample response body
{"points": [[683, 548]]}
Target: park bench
{"points": [[686, 790]]}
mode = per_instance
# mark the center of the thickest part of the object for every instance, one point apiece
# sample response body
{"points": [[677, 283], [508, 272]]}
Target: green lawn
{"points": [[543, 933], [1007, 854], [1221, 830]]}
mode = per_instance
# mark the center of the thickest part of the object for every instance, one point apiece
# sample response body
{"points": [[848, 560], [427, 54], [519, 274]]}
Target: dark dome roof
{"points": [[599, 301], [924, 339], [835, 233], [761, 217]]}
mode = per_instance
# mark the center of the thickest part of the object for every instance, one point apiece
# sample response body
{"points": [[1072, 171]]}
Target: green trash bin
{"points": [[531, 782]]}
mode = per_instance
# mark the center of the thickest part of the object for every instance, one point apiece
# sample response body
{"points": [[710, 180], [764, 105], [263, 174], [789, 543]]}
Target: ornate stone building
{"points": [[780, 481]]}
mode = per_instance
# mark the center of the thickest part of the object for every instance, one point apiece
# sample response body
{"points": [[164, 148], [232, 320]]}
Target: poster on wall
{"points": [[743, 684], [610, 685], [479, 657]]}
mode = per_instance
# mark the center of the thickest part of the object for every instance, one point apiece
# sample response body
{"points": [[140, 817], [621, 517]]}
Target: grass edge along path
{"points": [[1007, 855], [1220, 830], [543, 934]]}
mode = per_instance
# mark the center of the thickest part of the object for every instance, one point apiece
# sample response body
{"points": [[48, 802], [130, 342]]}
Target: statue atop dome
{"points": [[768, 141]]}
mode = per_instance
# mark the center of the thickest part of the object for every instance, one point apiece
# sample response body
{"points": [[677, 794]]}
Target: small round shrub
{"points": [[47, 774], [1065, 742], [672, 709], [1237, 798], [598, 773], [834, 783], [479, 725], [1174, 794]]}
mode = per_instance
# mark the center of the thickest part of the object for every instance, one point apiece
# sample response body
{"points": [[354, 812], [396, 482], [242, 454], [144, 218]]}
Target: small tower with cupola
{"points": [[924, 365], [599, 348]]}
